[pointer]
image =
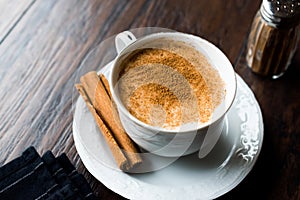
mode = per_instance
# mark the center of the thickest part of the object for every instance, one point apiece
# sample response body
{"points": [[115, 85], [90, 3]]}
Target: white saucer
{"points": [[188, 177]]}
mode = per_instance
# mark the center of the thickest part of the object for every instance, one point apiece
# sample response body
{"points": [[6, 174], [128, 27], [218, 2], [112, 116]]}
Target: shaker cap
{"points": [[281, 13]]}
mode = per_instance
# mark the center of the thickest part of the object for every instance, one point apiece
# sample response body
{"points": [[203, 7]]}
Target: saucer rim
{"points": [[86, 158]]}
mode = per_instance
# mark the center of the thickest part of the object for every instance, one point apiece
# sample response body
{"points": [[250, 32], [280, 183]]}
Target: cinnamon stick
{"points": [[117, 153], [106, 84], [97, 91]]}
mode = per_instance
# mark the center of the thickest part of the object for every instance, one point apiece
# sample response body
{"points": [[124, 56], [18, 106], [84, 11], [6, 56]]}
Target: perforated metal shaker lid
{"points": [[285, 13]]}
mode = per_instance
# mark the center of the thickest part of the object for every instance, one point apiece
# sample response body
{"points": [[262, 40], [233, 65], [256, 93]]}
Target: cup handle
{"points": [[124, 39]]}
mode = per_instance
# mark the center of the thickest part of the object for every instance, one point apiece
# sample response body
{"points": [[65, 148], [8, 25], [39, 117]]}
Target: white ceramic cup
{"points": [[185, 140]]}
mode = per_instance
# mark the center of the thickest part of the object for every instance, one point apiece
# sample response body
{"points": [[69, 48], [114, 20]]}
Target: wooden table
{"points": [[43, 43]]}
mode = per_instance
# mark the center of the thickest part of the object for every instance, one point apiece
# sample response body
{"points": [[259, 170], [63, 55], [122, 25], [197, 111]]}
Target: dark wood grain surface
{"points": [[44, 42]]}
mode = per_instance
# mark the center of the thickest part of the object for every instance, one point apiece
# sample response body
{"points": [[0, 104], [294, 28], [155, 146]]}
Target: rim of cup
{"points": [[230, 82]]}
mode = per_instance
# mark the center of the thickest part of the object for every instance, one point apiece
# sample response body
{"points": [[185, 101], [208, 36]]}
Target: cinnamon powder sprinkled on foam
{"points": [[170, 85]]}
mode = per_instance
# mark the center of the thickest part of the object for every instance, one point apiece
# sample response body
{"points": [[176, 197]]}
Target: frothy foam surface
{"points": [[168, 84]]}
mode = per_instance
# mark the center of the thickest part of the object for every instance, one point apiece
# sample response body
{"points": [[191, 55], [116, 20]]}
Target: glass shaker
{"points": [[274, 36]]}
